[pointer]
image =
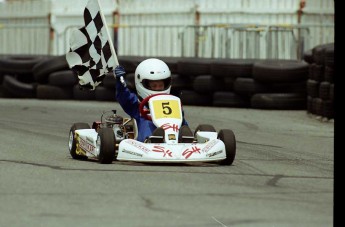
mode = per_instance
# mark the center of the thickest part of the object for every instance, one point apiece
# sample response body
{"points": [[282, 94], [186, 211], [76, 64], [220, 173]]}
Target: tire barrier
{"points": [[249, 83], [17, 89], [45, 91], [44, 68], [320, 83]]}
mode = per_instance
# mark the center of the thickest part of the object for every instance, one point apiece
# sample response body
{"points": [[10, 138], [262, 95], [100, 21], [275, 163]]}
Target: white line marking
{"points": [[219, 222]]}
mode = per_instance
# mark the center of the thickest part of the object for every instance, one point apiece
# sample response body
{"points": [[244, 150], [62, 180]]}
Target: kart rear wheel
{"points": [[106, 143], [72, 143], [228, 138], [204, 128]]}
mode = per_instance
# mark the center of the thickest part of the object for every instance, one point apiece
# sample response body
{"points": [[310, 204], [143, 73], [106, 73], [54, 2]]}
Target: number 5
{"points": [[166, 108]]}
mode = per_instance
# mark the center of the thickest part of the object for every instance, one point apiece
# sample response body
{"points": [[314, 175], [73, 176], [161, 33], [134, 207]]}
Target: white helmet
{"points": [[149, 70]]}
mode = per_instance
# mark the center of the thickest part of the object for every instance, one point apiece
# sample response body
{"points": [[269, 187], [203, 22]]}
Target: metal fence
{"points": [[204, 41], [25, 39], [219, 40]]}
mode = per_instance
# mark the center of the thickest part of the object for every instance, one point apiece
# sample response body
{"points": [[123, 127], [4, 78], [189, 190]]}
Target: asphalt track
{"points": [[282, 174]]}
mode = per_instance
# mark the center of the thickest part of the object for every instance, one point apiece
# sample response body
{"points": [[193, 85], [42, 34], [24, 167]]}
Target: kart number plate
{"points": [[167, 109]]}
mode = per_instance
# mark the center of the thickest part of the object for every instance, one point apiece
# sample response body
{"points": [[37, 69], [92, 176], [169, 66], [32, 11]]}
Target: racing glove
{"points": [[120, 73]]}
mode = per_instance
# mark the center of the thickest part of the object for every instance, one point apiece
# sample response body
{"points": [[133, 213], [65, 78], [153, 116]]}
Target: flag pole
{"points": [[112, 49]]}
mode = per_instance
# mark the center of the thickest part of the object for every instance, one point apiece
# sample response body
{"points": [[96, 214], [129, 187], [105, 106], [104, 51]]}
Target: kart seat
{"points": [[156, 137], [185, 135]]}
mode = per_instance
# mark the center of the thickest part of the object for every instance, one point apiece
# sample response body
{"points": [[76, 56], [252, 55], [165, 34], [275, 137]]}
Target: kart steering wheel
{"points": [[144, 112]]}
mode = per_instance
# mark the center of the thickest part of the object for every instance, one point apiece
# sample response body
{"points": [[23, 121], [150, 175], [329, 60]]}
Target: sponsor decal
{"points": [[169, 126], [163, 150], [89, 140], [187, 153], [172, 137], [138, 145], [85, 145], [132, 153], [214, 154], [209, 146]]}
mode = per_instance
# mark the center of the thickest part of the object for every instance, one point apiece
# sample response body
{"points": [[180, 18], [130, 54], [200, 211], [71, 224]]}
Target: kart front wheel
{"points": [[228, 138], [106, 145], [72, 143]]}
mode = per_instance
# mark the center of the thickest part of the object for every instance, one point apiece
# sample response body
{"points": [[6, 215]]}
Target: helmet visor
{"points": [[157, 85]]}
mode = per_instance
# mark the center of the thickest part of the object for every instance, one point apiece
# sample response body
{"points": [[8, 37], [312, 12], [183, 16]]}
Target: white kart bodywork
{"points": [[166, 112]]}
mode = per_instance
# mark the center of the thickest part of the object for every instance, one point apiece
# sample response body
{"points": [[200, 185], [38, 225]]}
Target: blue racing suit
{"points": [[130, 104]]}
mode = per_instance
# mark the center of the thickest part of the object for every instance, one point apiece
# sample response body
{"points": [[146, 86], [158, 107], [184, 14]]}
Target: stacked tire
{"points": [[47, 77], [212, 81], [279, 84], [320, 83], [245, 83], [16, 75]]}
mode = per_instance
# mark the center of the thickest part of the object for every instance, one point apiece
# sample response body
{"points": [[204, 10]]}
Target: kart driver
{"points": [[152, 76]]}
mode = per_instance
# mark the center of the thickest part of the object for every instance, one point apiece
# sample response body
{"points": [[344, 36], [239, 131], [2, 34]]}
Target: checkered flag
{"points": [[91, 54]]}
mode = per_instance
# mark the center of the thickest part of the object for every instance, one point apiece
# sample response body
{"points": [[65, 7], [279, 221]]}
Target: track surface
{"points": [[282, 174]]}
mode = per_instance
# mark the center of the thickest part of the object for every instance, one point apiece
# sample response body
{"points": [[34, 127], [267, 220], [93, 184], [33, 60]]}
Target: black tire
{"points": [[130, 63], [329, 74], [310, 105], [107, 141], [17, 89], [323, 53], [192, 67], [329, 55], [63, 78], [318, 106], [249, 87], [230, 99], [195, 99], [279, 101], [80, 94], [232, 68], [319, 54], [311, 72], [72, 140], [313, 88], [109, 81], [19, 64], [331, 92], [130, 81], [318, 72], [179, 83], [45, 67], [308, 56], [105, 94], [228, 138], [328, 109], [207, 84], [54, 92], [324, 90], [280, 71], [172, 63], [204, 128]]}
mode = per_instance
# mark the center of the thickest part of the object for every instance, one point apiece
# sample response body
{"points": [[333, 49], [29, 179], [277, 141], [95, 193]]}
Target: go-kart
{"points": [[114, 137]]}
